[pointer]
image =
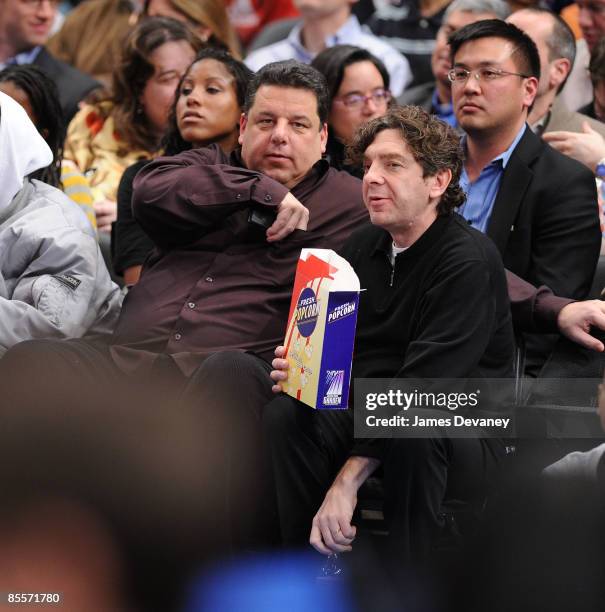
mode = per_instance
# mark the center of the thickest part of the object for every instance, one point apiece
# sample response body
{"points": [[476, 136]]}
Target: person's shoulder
{"points": [[469, 242], [379, 47], [549, 164], [275, 52], [52, 203], [362, 241], [419, 95], [335, 176], [64, 72]]}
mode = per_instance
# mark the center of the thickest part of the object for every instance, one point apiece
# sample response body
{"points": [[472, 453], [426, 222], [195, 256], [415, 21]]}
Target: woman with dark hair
{"points": [[105, 138], [206, 110], [38, 95], [358, 83]]}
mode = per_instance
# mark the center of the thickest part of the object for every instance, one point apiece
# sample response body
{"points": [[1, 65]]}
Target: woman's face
{"points": [[170, 62], [207, 110], [359, 79]]}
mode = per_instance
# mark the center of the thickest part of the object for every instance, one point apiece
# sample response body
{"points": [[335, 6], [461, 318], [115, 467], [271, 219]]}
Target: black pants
{"points": [[222, 401], [308, 448]]}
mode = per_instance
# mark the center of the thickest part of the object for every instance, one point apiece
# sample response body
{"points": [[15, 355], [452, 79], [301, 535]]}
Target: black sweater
{"points": [[441, 312]]}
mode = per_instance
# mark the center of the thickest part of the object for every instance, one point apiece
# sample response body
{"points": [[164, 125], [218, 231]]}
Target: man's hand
{"points": [[332, 531], [575, 320], [291, 215], [106, 212], [280, 371], [587, 146]]}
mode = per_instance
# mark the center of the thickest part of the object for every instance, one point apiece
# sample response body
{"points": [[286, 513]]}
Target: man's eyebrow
{"points": [[396, 156]]}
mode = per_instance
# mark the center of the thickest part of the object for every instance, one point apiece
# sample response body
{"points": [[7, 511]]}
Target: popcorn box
{"points": [[321, 330]]}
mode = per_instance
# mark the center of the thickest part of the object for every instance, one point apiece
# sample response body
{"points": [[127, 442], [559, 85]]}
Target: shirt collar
{"points": [[384, 241], [505, 156], [350, 30], [25, 57], [437, 104]]}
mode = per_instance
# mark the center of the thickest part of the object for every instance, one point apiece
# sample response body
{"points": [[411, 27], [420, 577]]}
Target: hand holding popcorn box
{"points": [[321, 330]]}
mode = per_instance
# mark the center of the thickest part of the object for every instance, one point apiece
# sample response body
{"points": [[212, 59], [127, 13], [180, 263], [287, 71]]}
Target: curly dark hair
{"points": [[434, 144], [173, 142]]}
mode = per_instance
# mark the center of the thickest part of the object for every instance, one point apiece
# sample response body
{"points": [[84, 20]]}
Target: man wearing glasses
{"points": [[537, 205], [24, 29]]}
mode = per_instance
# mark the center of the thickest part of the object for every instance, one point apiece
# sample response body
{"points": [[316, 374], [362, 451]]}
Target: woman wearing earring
{"points": [[105, 138], [206, 111]]}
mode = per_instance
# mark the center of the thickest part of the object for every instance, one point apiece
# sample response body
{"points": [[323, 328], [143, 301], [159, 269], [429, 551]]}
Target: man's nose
{"points": [[46, 9], [372, 174], [471, 84], [280, 131]]}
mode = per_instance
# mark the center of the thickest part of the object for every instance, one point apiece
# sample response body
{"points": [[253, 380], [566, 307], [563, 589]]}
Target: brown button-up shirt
{"points": [[214, 282]]}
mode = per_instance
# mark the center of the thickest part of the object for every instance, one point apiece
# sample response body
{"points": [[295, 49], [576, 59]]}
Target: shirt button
{"points": [[268, 198], [209, 279], [177, 336], [238, 196], [191, 305]]}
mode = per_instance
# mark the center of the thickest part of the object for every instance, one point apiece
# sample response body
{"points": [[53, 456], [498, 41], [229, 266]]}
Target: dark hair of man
{"points": [[133, 71], [43, 96], [333, 61], [433, 144], [173, 142], [291, 73], [525, 52], [597, 62]]}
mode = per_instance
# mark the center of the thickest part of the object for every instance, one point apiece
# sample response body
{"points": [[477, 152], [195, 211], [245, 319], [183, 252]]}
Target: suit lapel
{"points": [[515, 181]]}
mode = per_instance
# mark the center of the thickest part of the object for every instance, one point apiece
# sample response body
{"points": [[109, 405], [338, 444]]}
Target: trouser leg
{"points": [[227, 394], [307, 448], [56, 373], [419, 474]]}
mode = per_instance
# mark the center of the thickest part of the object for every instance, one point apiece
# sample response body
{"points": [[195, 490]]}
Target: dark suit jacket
{"points": [[545, 219], [72, 84]]}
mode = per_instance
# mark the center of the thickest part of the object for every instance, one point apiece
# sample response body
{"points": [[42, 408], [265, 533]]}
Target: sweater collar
{"points": [[384, 240]]}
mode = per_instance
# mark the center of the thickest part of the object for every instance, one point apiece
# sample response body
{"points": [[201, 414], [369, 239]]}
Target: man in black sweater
{"points": [[436, 306]]}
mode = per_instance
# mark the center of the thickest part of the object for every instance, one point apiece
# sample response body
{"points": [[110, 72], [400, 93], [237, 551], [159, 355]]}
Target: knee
{"points": [[226, 365], [27, 356], [280, 416]]}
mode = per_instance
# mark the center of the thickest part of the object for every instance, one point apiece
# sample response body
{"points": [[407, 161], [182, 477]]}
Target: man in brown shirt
{"points": [[213, 299]]}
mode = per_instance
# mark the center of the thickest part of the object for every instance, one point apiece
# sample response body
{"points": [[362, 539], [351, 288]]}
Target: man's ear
{"points": [[243, 122], [559, 69], [439, 183], [530, 91], [324, 137]]}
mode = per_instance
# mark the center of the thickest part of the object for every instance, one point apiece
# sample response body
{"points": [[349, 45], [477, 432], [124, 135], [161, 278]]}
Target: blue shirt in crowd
{"points": [[481, 195]]}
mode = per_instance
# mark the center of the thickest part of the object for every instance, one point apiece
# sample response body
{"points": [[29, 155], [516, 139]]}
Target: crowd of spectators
{"points": [[163, 163]]}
